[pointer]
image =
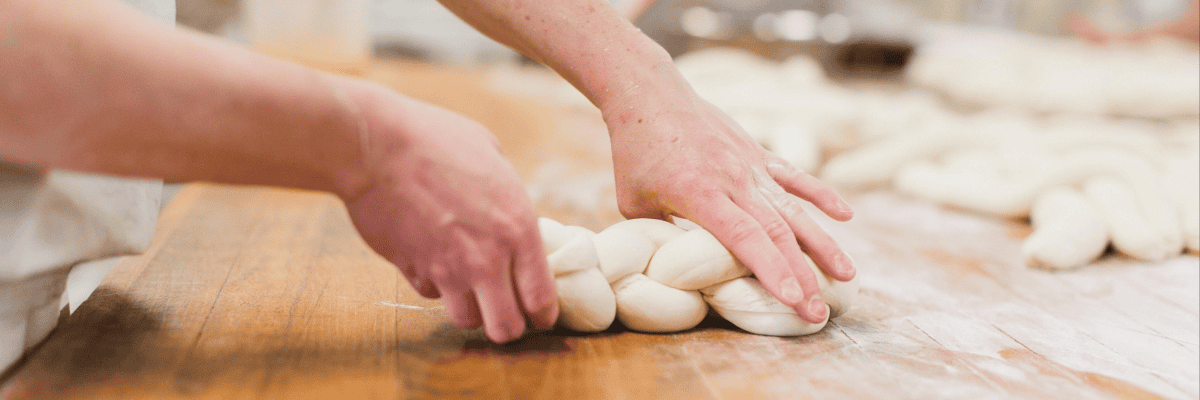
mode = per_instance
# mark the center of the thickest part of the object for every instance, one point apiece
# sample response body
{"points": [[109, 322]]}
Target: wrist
{"points": [[363, 107], [644, 74]]}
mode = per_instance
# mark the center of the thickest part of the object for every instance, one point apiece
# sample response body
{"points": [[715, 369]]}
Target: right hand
{"points": [[449, 211], [681, 156]]}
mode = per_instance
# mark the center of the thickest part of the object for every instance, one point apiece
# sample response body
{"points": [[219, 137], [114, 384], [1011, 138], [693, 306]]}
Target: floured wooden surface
{"points": [[269, 293]]}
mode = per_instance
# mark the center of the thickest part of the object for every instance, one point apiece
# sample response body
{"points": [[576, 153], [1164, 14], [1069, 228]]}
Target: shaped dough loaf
{"points": [[693, 261], [1131, 232], [748, 305], [657, 272], [1068, 231], [745, 303], [1183, 178], [645, 305], [586, 303]]}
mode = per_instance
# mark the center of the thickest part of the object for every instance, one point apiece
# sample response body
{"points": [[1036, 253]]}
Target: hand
{"points": [[447, 209], [689, 159]]}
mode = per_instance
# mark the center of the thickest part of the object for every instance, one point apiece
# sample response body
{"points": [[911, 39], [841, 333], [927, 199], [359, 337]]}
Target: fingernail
{"points": [[844, 207], [516, 330], [792, 294], [816, 307], [845, 265], [548, 316]]}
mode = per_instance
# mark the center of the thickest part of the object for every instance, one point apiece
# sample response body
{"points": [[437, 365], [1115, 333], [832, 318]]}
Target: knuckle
{"points": [[788, 207], [440, 273], [525, 232], [779, 231], [539, 295], [690, 181], [739, 175], [743, 231]]}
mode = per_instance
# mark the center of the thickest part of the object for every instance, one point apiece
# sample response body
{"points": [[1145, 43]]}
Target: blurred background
{"points": [[970, 104], [423, 29]]}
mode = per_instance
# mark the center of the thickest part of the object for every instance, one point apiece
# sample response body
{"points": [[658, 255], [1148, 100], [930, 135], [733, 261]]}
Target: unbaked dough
{"points": [[1068, 231], [646, 305], [649, 274], [1132, 233], [585, 300], [693, 261]]}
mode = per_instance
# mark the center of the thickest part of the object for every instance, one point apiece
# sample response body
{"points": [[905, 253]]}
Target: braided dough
{"points": [[657, 277], [1083, 182]]}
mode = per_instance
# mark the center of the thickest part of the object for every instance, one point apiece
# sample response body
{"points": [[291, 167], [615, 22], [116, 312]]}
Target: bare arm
{"points": [[585, 41], [674, 153], [93, 85]]}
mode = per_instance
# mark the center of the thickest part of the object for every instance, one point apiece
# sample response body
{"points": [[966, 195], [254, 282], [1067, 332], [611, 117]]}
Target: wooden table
{"points": [[252, 292]]}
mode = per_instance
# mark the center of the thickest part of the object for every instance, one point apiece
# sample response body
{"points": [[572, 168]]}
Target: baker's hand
{"points": [[689, 159], [447, 209]]}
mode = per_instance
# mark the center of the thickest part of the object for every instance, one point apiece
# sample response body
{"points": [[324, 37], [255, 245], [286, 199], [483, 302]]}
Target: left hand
{"points": [[687, 158]]}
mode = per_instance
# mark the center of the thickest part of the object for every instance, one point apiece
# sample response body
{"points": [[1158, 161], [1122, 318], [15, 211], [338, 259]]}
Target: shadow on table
{"points": [[108, 336]]}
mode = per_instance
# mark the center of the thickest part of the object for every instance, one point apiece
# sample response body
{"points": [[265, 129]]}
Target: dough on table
{"points": [[1068, 231], [650, 275], [693, 261]]}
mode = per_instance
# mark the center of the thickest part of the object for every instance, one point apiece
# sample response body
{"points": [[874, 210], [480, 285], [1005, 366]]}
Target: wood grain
{"points": [[269, 293]]}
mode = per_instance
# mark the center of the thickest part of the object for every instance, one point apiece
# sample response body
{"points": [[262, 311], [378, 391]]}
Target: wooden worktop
{"points": [[269, 293]]}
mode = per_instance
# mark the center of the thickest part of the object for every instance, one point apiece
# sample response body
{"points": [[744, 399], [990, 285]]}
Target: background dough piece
{"points": [[1068, 231], [1183, 179], [694, 260], [876, 163], [1131, 233], [1013, 196], [648, 306], [586, 302]]}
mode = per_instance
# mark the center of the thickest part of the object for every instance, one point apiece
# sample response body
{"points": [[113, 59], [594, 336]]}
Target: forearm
{"points": [[585, 41], [92, 85]]}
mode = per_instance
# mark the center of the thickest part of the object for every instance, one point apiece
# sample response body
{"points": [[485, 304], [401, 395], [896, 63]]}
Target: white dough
{"points": [[1068, 231], [586, 302], [686, 224], [745, 303], [623, 252], [1183, 179], [648, 306], [554, 234], [1013, 196], [693, 261], [794, 143], [838, 295], [577, 254], [660, 232], [648, 274], [1131, 233], [876, 163]]}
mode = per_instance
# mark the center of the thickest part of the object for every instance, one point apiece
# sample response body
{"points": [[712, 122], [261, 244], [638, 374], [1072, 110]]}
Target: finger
{"points": [[422, 286], [814, 241], [810, 189], [746, 239], [770, 214], [463, 309], [492, 285], [501, 316], [534, 282], [425, 288]]}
